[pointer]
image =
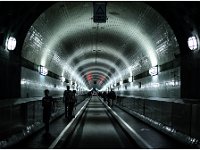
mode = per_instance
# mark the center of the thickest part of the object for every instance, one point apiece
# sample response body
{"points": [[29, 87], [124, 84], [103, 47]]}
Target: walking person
{"points": [[104, 95], [66, 98], [90, 95], [112, 97], [47, 103], [69, 98], [73, 102]]}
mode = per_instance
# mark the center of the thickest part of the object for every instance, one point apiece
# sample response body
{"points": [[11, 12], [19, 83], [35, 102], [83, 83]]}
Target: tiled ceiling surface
{"points": [[67, 41]]}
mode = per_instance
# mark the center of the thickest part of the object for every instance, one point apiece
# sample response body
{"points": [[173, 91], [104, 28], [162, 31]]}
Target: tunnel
{"points": [[128, 44], [146, 52]]}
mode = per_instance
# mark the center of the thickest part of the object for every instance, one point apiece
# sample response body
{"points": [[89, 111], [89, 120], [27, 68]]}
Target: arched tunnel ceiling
{"points": [[67, 41]]}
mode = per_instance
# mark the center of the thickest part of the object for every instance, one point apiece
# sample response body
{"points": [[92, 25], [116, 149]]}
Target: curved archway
{"points": [[130, 40]]}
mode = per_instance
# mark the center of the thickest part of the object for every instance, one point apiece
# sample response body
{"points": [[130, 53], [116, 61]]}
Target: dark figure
{"points": [[70, 100], [108, 98], [104, 96], [100, 94], [111, 97], [73, 102], [90, 94], [66, 96], [47, 103]]}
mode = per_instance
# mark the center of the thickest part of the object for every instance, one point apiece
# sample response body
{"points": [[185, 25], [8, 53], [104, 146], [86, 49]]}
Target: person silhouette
{"points": [[47, 103], [67, 96]]}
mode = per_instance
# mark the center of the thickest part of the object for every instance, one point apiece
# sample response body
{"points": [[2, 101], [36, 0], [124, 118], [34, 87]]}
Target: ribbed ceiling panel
{"points": [[66, 41]]}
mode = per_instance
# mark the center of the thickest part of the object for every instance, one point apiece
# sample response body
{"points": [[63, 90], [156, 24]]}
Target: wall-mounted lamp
{"points": [[11, 43], [153, 71], [193, 43], [130, 79], [23, 81], [42, 70], [62, 79], [121, 82]]}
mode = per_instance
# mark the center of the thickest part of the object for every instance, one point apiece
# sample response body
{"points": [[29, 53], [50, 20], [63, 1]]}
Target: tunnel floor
{"points": [[98, 117], [151, 135], [98, 130], [40, 140]]}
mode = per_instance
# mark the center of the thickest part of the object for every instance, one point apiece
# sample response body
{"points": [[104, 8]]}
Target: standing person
{"points": [[47, 103], [112, 97], [69, 100], [104, 95], [66, 98], [108, 98], [73, 102], [90, 94]]}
